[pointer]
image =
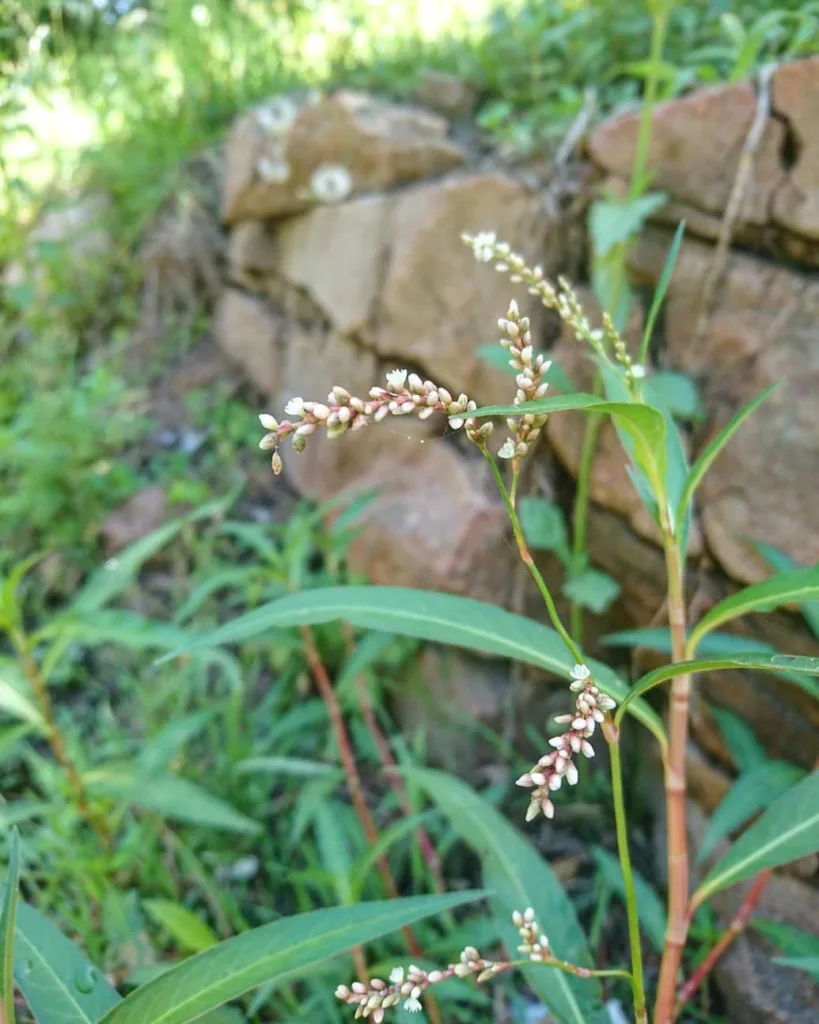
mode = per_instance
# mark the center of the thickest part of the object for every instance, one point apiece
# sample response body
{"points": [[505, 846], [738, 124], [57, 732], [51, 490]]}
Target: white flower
{"points": [[295, 407], [397, 379], [268, 422], [412, 1005], [638, 371], [483, 246], [581, 672], [397, 975], [331, 183], [275, 171], [277, 115], [508, 449]]}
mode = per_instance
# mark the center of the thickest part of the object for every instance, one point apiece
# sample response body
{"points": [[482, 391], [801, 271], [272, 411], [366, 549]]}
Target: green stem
{"points": [[568, 968], [581, 510], [637, 983], [529, 562], [637, 185]]}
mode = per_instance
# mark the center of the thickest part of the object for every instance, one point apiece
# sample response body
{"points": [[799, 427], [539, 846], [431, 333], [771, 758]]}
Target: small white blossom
{"points": [[581, 672], [483, 246], [508, 449], [397, 975], [412, 1005], [295, 407], [268, 422], [277, 115], [330, 183], [397, 379], [638, 371]]}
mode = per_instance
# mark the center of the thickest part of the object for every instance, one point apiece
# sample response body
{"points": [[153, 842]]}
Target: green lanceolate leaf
{"points": [[788, 830], [743, 746], [794, 587], [644, 426], [782, 562], [760, 662], [710, 452], [188, 930], [660, 291], [7, 919], [650, 908], [752, 792], [519, 877], [659, 639], [808, 964], [273, 952], [439, 618], [58, 983], [16, 698]]}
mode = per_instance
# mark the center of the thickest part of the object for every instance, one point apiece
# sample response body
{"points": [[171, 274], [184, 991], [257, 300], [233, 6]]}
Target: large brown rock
{"points": [[695, 150], [274, 152], [436, 523], [763, 486], [795, 96], [391, 270]]}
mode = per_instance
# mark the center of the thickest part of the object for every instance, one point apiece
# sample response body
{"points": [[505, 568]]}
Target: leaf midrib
{"points": [[760, 851], [21, 937], [214, 987]]}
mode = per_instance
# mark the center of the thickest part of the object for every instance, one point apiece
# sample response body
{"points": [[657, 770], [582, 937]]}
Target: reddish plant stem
{"points": [[428, 851], [737, 925], [328, 695], [39, 687], [677, 929]]}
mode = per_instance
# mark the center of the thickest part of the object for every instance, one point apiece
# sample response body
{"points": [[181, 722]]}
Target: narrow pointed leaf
{"points": [[519, 877], [752, 792], [59, 984], [808, 964], [782, 562], [120, 572], [712, 644], [7, 919], [794, 587], [439, 618], [759, 662], [788, 830], [660, 290], [711, 451], [273, 952], [644, 426], [173, 798]]}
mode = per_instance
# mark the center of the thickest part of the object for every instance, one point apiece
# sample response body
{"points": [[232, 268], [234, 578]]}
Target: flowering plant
{"points": [[523, 892], [668, 486]]}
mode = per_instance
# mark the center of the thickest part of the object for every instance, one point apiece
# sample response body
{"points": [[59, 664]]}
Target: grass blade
{"points": [[711, 451]]}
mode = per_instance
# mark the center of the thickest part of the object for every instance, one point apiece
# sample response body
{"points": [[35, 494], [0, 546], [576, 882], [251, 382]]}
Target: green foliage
{"points": [[517, 876], [788, 829]]}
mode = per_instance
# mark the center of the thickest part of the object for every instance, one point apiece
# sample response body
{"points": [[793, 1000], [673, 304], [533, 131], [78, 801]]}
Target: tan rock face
{"points": [[275, 151], [695, 149], [795, 96], [436, 523], [763, 486]]}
